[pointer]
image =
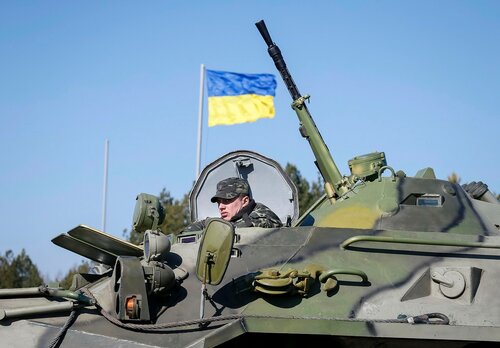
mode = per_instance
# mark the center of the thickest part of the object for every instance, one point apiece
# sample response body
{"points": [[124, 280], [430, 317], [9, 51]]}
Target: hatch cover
{"points": [[269, 185]]}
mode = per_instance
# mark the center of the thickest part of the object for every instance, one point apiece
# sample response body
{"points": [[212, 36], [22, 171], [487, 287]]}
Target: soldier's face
{"points": [[230, 207]]}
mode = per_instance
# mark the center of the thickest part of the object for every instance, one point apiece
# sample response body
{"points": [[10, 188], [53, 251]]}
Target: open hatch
{"points": [[269, 185]]}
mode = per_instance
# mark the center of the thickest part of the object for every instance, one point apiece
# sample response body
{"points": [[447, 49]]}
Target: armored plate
{"points": [[269, 185], [85, 249], [105, 241]]}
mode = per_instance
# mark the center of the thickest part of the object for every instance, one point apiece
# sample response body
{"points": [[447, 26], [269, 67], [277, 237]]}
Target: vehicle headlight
{"points": [[148, 213], [156, 246]]}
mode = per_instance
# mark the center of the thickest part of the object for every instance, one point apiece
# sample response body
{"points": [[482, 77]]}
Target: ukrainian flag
{"points": [[239, 98]]}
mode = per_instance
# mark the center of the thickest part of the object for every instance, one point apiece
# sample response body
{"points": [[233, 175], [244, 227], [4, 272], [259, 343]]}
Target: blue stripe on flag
{"points": [[224, 83]]}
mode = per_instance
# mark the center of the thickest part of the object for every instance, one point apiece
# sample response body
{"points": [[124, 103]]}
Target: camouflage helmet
{"points": [[230, 188]]}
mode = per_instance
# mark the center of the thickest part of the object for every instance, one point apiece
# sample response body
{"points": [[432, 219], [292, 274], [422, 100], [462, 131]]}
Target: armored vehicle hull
{"points": [[379, 286]]}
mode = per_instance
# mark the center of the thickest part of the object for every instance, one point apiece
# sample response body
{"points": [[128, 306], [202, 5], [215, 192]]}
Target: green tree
{"points": [[7, 273], [308, 192], [176, 212], [66, 281], [18, 271], [132, 236]]}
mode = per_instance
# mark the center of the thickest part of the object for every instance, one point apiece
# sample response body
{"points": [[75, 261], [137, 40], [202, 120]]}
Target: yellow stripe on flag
{"points": [[229, 110]]}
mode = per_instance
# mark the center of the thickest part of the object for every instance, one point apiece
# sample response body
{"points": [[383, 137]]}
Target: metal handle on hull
{"points": [[385, 239], [330, 282], [35, 310], [350, 271]]}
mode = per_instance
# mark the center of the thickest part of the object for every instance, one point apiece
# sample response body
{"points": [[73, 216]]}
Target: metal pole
{"points": [[200, 120], [20, 292], [105, 186], [66, 306]]}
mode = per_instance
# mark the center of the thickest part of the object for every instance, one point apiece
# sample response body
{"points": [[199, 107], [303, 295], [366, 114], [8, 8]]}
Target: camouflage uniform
{"points": [[252, 215]]}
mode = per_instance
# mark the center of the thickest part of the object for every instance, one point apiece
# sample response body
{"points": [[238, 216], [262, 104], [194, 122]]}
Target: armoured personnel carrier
{"points": [[383, 259]]}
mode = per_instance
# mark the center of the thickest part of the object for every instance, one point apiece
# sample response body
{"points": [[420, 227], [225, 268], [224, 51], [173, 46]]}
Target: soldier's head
{"points": [[232, 195]]}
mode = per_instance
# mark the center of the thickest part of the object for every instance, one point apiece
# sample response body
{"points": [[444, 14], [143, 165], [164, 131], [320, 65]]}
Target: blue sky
{"points": [[419, 80]]}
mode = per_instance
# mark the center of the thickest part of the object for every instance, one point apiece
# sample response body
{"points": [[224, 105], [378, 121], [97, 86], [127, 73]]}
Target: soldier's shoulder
{"points": [[262, 209], [195, 226]]}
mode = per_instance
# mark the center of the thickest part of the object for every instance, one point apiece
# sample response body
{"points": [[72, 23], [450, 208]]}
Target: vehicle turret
{"points": [[375, 195]]}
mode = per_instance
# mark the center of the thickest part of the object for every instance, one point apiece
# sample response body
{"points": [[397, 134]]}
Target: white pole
{"points": [[200, 120], [105, 186]]}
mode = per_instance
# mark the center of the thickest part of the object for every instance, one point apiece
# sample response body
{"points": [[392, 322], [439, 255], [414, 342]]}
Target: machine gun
{"points": [[335, 184]]}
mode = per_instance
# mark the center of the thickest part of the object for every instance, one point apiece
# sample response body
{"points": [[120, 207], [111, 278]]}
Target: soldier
{"points": [[236, 206]]}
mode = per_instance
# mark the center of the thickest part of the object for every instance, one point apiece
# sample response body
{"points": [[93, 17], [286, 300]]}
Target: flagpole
{"points": [[200, 119], [105, 186]]}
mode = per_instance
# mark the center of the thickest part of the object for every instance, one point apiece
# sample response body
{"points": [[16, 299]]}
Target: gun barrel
{"points": [[278, 60], [264, 32]]}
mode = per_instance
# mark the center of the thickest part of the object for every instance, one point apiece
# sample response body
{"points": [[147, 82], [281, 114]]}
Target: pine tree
{"points": [[308, 192], [18, 271], [66, 281]]}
